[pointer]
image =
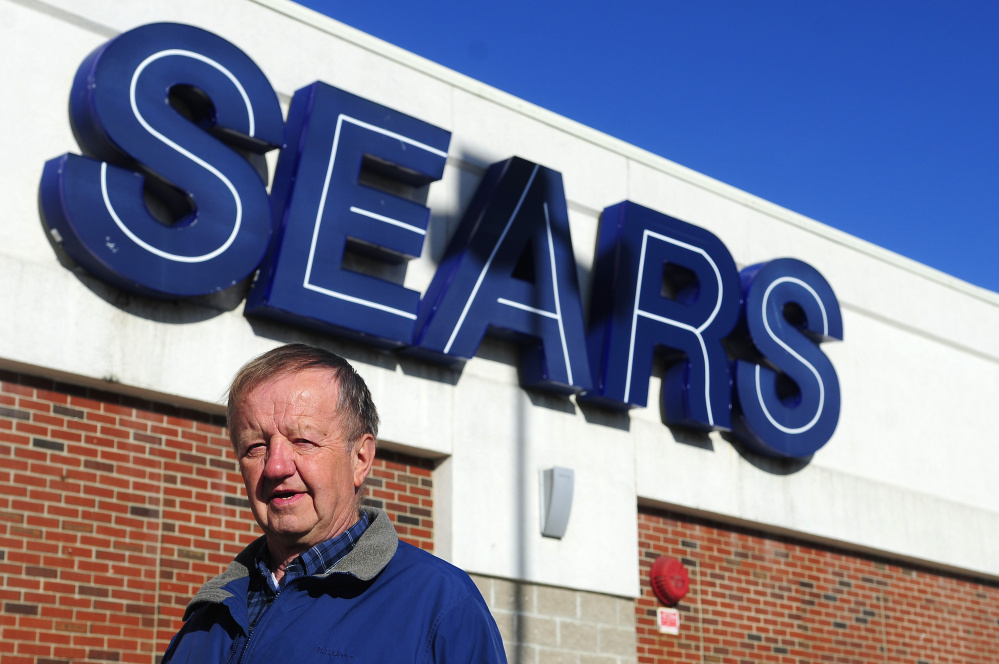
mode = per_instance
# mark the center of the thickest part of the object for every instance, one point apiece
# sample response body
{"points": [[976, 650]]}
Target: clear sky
{"points": [[877, 117]]}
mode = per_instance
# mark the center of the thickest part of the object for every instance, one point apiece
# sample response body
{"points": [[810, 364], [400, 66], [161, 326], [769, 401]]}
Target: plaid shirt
{"points": [[320, 558]]}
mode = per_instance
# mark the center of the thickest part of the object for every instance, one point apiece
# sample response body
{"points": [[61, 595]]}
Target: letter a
{"points": [[510, 270]]}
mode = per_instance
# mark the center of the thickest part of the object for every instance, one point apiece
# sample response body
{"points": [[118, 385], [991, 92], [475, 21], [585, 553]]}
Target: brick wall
{"points": [[113, 511], [757, 598], [403, 486]]}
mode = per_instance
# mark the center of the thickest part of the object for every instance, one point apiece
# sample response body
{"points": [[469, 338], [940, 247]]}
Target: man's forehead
{"points": [[314, 381], [309, 395]]}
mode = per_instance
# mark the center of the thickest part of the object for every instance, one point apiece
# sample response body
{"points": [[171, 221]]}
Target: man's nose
{"points": [[279, 462]]}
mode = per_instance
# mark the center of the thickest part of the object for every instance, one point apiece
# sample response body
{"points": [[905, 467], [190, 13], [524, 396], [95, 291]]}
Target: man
{"points": [[329, 581]]}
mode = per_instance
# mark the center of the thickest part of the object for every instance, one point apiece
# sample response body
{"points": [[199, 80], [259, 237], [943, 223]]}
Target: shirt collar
{"points": [[320, 559]]}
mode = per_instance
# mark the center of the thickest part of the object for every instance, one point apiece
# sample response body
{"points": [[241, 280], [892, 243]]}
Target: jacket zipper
{"points": [[253, 627]]}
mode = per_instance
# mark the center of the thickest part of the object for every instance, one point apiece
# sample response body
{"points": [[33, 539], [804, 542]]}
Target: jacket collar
{"points": [[373, 550], [368, 558]]}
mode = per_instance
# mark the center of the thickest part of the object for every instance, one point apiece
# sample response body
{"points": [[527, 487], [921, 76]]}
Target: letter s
{"points": [[124, 108], [788, 405]]}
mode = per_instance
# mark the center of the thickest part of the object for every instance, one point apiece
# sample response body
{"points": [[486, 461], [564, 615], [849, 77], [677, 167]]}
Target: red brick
{"points": [[766, 572]]}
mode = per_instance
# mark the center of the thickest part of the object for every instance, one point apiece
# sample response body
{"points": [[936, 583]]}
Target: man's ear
{"points": [[363, 456]]}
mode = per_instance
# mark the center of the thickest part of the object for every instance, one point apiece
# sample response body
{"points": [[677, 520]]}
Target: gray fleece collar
{"points": [[373, 550], [366, 560]]}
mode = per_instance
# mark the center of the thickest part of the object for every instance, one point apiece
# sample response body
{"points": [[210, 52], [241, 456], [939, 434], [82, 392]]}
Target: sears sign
{"points": [[174, 121]]}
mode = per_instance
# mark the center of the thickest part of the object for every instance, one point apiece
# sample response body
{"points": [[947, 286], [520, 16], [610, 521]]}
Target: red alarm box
{"points": [[670, 581]]}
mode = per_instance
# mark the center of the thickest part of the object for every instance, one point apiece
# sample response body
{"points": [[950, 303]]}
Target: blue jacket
{"points": [[385, 602]]}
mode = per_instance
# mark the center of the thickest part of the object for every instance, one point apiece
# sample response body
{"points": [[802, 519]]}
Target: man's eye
{"points": [[303, 442], [254, 450]]}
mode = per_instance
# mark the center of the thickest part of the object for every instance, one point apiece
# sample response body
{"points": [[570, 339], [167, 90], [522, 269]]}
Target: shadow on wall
{"points": [[767, 464], [521, 510]]}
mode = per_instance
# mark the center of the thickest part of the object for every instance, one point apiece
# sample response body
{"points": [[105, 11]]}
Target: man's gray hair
{"points": [[354, 404]]}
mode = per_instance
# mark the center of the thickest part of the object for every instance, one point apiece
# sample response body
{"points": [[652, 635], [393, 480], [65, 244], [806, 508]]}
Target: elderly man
{"points": [[329, 581]]}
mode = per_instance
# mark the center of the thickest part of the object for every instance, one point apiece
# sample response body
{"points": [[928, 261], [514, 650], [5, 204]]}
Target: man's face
{"points": [[299, 470]]}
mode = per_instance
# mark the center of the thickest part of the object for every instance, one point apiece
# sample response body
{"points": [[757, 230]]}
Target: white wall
{"points": [[907, 473]]}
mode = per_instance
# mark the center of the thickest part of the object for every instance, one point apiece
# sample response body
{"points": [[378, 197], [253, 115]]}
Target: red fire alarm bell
{"points": [[670, 581]]}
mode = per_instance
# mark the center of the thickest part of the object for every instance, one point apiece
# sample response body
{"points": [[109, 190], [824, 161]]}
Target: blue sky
{"points": [[880, 118]]}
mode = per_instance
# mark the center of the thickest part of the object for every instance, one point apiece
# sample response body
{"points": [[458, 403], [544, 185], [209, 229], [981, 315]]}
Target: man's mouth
{"points": [[283, 497]]}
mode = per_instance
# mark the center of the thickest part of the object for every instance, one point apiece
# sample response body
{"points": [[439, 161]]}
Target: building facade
{"points": [[118, 496]]}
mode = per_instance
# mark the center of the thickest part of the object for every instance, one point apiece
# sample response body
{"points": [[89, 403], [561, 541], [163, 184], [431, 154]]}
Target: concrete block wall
{"points": [[547, 625], [114, 511], [760, 598]]}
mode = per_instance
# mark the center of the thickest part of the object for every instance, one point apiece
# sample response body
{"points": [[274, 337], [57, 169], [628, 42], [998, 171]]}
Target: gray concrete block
{"points": [[578, 636], [617, 641], [558, 602]]}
